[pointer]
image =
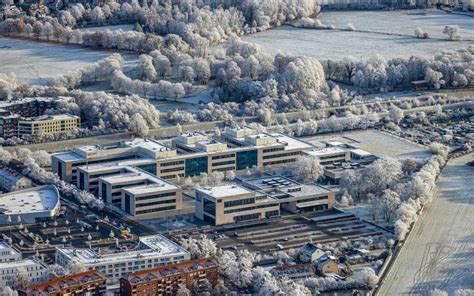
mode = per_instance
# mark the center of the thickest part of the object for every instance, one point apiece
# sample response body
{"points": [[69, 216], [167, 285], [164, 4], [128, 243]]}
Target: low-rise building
{"points": [[89, 282], [362, 156], [151, 252], [30, 205], [48, 124], [310, 253], [328, 265], [166, 280], [11, 180], [9, 271], [233, 203], [8, 253], [330, 155]]}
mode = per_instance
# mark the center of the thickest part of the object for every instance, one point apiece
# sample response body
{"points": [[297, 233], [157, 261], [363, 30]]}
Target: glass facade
{"points": [[246, 159], [149, 168], [195, 166]]}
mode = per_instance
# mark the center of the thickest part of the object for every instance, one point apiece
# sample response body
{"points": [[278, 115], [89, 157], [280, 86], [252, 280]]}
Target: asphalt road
{"points": [[440, 249]]}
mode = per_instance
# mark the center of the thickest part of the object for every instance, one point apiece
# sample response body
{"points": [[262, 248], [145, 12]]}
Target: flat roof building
{"points": [[197, 154], [259, 198], [330, 154], [29, 205], [8, 253], [35, 270], [48, 124], [166, 280], [233, 203], [151, 252]]}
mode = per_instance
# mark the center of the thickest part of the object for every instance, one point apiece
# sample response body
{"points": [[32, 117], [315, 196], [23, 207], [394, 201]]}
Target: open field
{"points": [[438, 252], [336, 44], [375, 142], [36, 62]]}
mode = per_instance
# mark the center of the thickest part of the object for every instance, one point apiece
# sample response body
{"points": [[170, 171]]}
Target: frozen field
{"points": [[37, 62], [440, 249], [377, 143], [336, 44]]}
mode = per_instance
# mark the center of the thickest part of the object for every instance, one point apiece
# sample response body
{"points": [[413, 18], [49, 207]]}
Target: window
{"points": [[246, 159], [195, 166], [209, 207], [167, 194], [239, 202], [247, 217], [150, 168], [127, 202]]}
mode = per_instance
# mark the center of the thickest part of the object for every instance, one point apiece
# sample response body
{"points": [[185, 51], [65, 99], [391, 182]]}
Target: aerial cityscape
{"points": [[236, 147]]}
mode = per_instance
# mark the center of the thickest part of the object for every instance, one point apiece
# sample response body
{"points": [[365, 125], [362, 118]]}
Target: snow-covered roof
{"points": [[12, 175], [51, 117], [291, 143], [31, 200], [20, 263], [361, 152], [228, 190], [326, 151], [4, 247], [151, 188], [148, 144], [154, 246]]}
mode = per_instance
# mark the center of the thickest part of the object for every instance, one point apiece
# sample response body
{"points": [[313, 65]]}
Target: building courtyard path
{"points": [[439, 252]]}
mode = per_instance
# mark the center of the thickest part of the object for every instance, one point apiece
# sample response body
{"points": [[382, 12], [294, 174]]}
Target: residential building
{"points": [[310, 253], [327, 264], [233, 203], [31, 107], [48, 124], [89, 282], [8, 124], [30, 205], [294, 272], [190, 155], [166, 280], [11, 180], [139, 193], [151, 252], [35, 270], [8, 253]]}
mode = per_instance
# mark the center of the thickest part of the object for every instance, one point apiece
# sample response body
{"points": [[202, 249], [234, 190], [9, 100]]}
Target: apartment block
{"points": [[167, 279], [48, 124], [90, 282], [151, 252], [8, 253], [233, 203], [35, 270], [11, 180]]}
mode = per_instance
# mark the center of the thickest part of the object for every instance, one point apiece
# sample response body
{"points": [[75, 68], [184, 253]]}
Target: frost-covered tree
{"points": [[308, 169], [138, 125], [453, 32]]}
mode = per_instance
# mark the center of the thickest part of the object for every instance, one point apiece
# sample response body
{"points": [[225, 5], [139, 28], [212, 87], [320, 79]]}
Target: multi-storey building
{"points": [[48, 124], [167, 279], [8, 253], [233, 203], [259, 198], [35, 270], [31, 107], [151, 252], [9, 124], [139, 193], [89, 282], [191, 155], [11, 180]]}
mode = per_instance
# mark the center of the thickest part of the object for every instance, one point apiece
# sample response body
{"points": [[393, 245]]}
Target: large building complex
{"points": [[89, 282], [151, 252], [29, 205], [167, 279], [189, 155], [48, 124], [259, 198]]}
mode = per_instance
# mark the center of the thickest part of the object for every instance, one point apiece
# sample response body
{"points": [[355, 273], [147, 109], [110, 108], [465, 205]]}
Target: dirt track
{"points": [[440, 250]]}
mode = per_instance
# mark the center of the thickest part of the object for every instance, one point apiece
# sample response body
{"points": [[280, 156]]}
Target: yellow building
{"points": [[48, 124]]}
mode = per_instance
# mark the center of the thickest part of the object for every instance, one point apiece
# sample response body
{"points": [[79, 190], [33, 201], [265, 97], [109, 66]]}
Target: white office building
{"points": [[151, 252], [35, 270]]}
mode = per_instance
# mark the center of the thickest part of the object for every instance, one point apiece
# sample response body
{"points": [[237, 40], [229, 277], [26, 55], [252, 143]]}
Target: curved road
{"points": [[439, 252]]}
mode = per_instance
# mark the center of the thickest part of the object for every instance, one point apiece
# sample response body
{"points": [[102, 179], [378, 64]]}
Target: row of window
{"points": [[312, 199], [281, 155], [223, 156], [167, 194], [250, 208], [142, 205], [155, 210], [172, 170], [239, 202], [165, 164]]}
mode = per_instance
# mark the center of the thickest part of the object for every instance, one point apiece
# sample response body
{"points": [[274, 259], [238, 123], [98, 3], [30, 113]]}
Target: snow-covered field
{"points": [[377, 143], [336, 44], [37, 62], [440, 249]]}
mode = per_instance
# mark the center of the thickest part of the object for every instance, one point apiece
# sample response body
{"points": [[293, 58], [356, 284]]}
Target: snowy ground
{"points": [[36, 62], [440, 249], [335, 44], [375, 142]]}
